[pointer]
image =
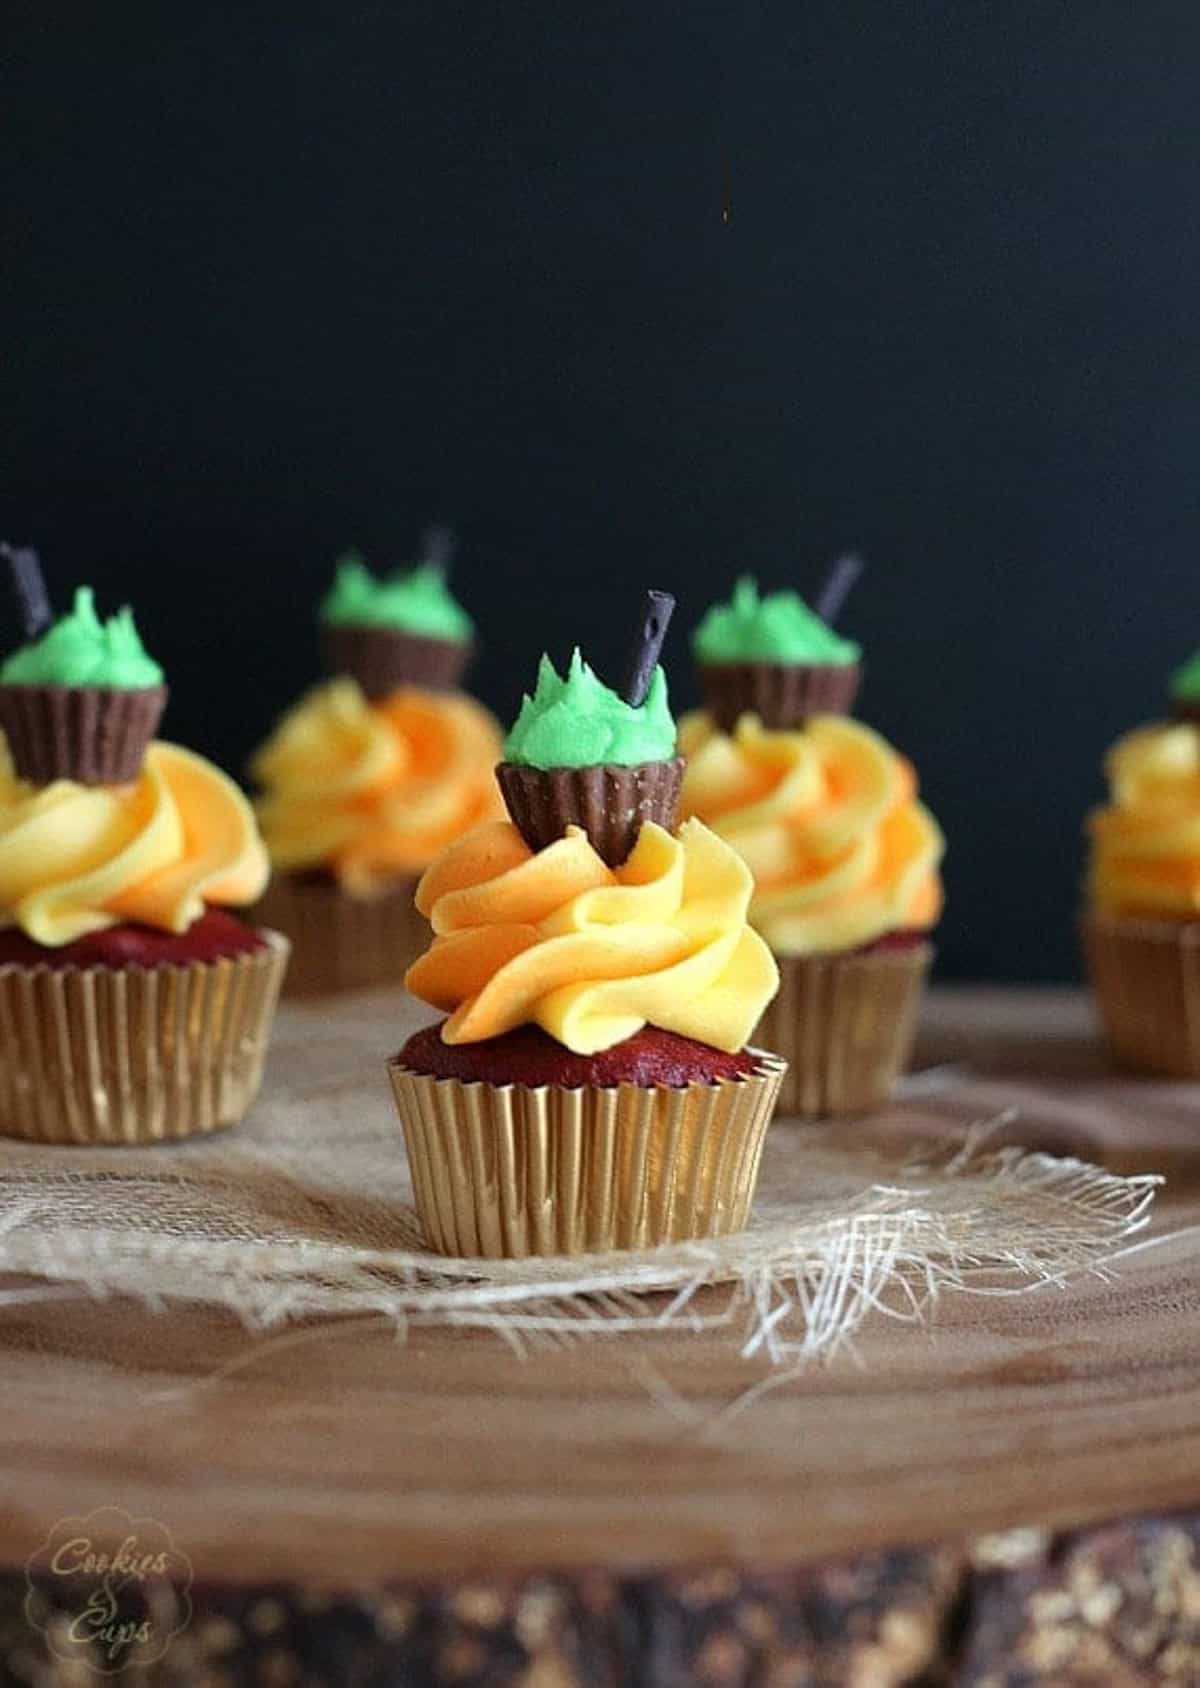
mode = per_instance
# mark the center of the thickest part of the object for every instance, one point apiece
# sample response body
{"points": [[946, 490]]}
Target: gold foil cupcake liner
{"points": [[1146, 976], [135, 1054], [610, 803], [845, 1025], [340, 942], [507, 1171]]}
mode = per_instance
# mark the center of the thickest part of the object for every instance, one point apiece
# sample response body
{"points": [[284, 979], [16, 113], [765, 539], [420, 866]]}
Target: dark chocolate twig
{"points": [[30, 587], [643, 659], [838, 587], [438, 545]]}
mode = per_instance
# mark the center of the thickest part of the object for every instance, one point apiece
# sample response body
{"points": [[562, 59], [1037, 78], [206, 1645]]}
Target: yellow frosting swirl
{"points": [[76, 859], [827, 820], [374, 791], [589, 953], [1145, 856]]}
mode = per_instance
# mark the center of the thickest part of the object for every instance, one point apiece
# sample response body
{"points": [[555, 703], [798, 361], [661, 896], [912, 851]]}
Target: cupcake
{"points": [[1141, 922], [590, 1087], [370, 775], [825, 814], [133, 1007]]}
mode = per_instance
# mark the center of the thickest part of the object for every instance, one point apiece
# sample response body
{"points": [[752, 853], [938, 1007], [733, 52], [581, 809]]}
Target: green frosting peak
{"points": [[418, 602], [576, 721], [778, 628], [82, 650], [1185, 682]]}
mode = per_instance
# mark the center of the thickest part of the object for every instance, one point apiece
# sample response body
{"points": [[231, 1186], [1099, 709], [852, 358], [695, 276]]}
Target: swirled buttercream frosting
{"points": [[77, 859], [373, 791], [1145, 856], [827, 819], [589, 953]]}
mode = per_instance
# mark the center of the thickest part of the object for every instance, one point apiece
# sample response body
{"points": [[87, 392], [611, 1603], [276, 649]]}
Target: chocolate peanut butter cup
{"points": [[382, 658], [775, 658], [549, 782], [81, 700], [610, 803], [95, 735], [782, 695], [403, 630]]}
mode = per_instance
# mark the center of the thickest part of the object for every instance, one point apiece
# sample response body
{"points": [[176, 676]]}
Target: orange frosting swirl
{"points": [[1145, 857], [590, 954], [372, 792], [827, 819], [76, 859]]}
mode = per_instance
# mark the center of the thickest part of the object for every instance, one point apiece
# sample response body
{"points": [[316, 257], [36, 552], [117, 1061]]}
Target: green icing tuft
{"points": [[82, 650], [1185, 682], [418, 602], [579, 722], [778, 628]]}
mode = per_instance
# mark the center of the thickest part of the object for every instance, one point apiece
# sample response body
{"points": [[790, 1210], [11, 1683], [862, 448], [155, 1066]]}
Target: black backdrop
{"points": [[279, 279]]}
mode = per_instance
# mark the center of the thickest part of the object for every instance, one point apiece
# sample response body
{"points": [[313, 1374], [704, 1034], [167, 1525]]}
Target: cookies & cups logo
{"points": [[108, 1591]]}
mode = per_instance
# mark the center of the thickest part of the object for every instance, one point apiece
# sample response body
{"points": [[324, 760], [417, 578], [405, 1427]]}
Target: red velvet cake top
{"points": [[214, 937], [529, 1056], [904, 938]]}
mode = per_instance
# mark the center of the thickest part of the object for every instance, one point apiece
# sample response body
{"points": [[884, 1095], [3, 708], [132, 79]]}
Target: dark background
{"points": [[281, 279]]}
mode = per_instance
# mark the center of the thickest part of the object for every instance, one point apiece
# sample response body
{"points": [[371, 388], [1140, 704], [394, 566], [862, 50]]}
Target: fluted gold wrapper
{"points": [[507, 1171], [135, 1054], [1146, 976], [339, 942], [845, 1025]]}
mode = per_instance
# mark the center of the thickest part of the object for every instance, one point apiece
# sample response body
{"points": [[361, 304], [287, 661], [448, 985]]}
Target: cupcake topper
{"points": [[30, 588], [842, 578], [643, 659]]}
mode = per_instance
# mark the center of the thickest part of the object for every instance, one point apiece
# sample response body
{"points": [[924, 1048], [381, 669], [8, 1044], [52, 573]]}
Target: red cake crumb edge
{"points": [[216, 936], [903, 938], [530, 1057]]}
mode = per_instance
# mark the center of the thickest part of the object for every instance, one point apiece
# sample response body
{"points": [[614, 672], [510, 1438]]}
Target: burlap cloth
{"points": [[305, 1210]]}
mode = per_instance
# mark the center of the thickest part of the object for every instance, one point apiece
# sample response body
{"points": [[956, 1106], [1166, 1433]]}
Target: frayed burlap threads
{"points": [[307, 1212]]}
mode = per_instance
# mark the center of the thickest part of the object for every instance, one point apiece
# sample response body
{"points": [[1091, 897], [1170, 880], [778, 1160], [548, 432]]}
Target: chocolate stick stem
{"points": [[643, 659], [838, 587], [438, 545], [30, 587]]}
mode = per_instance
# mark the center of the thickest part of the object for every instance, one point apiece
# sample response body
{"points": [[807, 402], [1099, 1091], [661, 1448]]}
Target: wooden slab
{"points": [[338, 1456]]}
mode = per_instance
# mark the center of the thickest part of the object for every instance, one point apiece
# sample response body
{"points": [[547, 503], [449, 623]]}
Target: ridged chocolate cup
{"points": [[781, 694], [380, 659], [611, 804], [95, 735]]}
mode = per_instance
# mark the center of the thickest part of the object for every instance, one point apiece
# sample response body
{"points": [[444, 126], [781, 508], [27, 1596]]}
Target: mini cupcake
{"points": [[370, 776], [590, 1088], [133, 1007], [1141, 923], [825, 814]]}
